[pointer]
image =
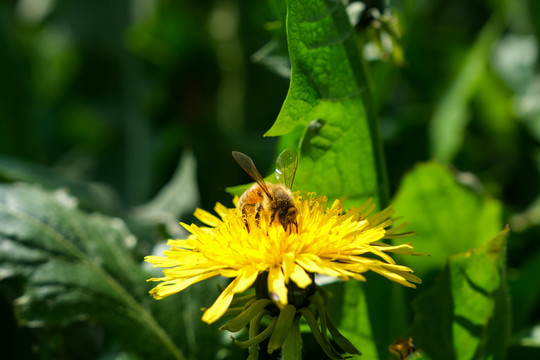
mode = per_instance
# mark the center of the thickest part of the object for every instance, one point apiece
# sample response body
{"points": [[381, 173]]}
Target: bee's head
{"points": [[287, 216], [282, 205], [288, 213]]}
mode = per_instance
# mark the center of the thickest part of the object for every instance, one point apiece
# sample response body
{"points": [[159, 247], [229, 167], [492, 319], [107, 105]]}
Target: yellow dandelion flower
{"points": [[329, 241]]}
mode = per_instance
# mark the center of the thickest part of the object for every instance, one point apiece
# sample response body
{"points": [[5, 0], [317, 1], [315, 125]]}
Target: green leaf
{"points": [[466, 314], [328, 110], [77, 267], [447, 216]]}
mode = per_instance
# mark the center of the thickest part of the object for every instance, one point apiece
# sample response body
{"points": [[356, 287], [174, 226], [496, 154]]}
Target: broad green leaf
{"points": [[328, 108], [466, 314], [451, 117], [447, 216], [77, 267]]}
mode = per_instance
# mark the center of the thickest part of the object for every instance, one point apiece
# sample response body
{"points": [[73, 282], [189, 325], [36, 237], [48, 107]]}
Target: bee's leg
{"points": [[245, 213], [258, 210], [244, 216], [273, 216]]}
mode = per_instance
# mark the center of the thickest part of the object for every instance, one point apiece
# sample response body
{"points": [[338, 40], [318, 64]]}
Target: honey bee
{"points": [[266, 200]]}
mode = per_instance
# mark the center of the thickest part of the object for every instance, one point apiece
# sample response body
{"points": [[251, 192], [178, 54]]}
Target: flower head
{"points": [[334, 242]]}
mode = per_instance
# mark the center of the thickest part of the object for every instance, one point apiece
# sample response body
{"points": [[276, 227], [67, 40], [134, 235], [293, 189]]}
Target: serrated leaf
{"points": [[328, 108], [447, 216], [466, 314], [77, 266]]}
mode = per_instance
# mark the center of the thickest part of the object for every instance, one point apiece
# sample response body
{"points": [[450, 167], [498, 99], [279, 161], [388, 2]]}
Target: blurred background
{"points": [[119, 101], [114, 93]]}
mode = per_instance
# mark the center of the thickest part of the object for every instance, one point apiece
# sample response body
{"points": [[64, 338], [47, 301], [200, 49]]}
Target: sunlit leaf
{"points": [[466, 314], [328, 108], [447, 216]]}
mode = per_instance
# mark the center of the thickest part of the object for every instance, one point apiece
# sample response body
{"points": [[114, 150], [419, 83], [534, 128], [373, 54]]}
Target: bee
{"points": [[266, 200]]}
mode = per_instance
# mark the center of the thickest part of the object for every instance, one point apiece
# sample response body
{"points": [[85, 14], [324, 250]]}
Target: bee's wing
{"points": [[247, 164], [286, 165]]}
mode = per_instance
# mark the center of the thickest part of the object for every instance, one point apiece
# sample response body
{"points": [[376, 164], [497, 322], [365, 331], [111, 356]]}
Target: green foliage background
{"points": [[117, 119]]}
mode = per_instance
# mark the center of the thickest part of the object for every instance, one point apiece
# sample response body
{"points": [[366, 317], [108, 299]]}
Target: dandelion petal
{"points": [[276, 285], [220, 306], [300, 277]]}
